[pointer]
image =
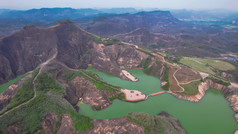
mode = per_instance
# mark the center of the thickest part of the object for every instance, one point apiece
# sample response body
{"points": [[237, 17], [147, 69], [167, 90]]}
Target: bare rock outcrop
{"points": [[170, 124], [49, 123], [31, 46], [118, 126], [109, 59], [66, 126], [13, 129], [230, 93], [85, 89], [25, 50]]}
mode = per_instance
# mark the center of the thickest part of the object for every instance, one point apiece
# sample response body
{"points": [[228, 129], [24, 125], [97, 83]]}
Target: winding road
{"points": [[174, 65], [41, 66]]}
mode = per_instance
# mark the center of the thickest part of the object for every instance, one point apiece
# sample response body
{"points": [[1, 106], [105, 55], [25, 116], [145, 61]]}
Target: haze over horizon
{"points": [[160, 4]]}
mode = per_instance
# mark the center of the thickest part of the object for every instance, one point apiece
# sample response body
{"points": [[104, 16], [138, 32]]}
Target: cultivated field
{"points": [[173, 83], [185, 75], [203, 64], [191, 88]]}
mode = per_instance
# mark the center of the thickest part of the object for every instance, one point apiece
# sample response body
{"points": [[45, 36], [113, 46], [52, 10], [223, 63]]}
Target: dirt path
{"points": [[178, 84], [189, 82], [41, 66], [179, 68], [174, 65]]}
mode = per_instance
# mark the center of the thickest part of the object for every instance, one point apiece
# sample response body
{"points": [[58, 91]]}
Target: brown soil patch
{"points": [[173, 83], [115, 126], [86, 90], [186, 74]]}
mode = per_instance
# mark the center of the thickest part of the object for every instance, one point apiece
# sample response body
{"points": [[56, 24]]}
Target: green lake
{"points": [[212, 115]]}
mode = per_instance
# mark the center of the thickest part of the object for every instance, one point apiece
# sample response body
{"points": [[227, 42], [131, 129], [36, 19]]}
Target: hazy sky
{"points": [[169, 4]]}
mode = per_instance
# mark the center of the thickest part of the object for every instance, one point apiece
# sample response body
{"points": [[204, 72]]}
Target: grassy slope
{"points": [[225, 83], [191, 88], [24, 93], [217, 64], [4, 86], [50, 98], [166, 78], [96, 80], [196, 65], [201, 64], [152, 124]]}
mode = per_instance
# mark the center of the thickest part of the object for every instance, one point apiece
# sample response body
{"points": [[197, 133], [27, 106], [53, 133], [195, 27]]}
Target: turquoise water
{"points": [[212, 115]]}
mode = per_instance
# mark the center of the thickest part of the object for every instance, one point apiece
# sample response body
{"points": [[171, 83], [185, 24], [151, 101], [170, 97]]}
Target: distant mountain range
{"points": [[186, 44], [199, 35]]}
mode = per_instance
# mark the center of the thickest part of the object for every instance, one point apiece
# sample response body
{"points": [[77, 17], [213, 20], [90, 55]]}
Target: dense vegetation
{"points": [[214, 91], [146, 52], [81, 122], [120, 96], [142, 119], [45, 82], [94, 78], [50, 98], [4, 86], [152, 70], [105, 41], [225, 83], [146, 62], [166, 78], [30, 116], [191, 88], [24, 93], [153, 124]]}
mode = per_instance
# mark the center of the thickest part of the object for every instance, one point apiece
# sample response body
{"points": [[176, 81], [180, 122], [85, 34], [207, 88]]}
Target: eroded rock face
{"points": [[115, 126], [7, 95], [236, 132], [31, 46], [12, 129], [81, 88], [230, 93], [170, 124], [109, 59], [73, 43], [24, 51], [66, 126], [49, 123]]}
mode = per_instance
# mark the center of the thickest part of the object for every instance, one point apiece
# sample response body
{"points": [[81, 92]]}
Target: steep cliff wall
{"points": [[230, 93]]}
